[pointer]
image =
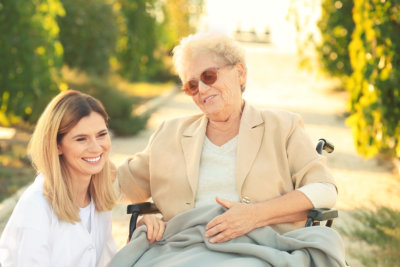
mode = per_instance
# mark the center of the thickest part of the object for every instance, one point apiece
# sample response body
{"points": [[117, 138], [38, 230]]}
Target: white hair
{"points": [[220, 45]]}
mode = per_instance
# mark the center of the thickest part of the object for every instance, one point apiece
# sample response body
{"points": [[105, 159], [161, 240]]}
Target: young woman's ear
{"points": [[59, 150]]}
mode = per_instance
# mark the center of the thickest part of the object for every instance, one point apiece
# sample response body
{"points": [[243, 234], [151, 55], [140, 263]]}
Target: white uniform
{"points": [[34, 236]]}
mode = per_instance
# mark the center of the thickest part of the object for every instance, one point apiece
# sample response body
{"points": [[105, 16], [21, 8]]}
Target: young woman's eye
{"points": [[81, 139], [103, 134]]}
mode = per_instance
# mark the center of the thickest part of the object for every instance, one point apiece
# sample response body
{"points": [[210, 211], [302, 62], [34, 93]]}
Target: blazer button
{"points": [[245, 200]]}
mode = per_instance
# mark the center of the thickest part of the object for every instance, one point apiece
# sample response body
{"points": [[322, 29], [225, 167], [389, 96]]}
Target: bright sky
{"points": [[227, 15]]}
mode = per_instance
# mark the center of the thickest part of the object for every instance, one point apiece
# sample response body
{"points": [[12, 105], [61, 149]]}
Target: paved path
{"points": [[275, 82]]}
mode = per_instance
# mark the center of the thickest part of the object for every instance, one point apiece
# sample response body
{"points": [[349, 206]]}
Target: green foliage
{"points": [[181, 16], [30, 57], [336, 26], [374, 85], [381, 230], [138, 48], [88, 34], [117, 104]]}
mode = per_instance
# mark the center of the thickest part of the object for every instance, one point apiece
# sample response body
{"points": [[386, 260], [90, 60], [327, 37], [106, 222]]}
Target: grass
{"points": [[381, 231]]}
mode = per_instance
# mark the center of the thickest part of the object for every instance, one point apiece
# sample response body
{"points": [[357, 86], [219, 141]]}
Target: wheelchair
{"points": [[314, 217]]}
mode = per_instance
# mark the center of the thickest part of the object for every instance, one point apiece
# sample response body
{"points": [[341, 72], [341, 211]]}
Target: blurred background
{"points": [[337, 63]]}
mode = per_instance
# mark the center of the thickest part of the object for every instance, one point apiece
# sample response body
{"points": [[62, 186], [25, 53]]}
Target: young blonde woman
{"points": [[64, 217]]}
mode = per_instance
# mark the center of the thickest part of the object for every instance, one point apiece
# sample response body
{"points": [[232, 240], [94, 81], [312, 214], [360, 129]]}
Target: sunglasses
{"points": [[208, 77]]}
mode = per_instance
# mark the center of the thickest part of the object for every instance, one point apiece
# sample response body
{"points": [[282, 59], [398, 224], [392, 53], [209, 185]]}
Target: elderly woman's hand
{"points": [[238, 220], [155, 227]]}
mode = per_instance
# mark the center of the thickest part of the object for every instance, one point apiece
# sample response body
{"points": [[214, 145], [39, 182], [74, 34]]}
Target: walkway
{"points": [[275, 82]]}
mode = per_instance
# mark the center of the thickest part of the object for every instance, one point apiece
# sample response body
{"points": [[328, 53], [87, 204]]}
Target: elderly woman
{"points": [[260, 165]]}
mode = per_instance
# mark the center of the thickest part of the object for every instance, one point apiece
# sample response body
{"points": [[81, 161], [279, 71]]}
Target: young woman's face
{"points": [[86, 147]]}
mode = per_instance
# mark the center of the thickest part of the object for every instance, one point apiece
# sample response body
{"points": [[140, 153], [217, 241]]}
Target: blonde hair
{"points": [[217, 43], [60, 115]]}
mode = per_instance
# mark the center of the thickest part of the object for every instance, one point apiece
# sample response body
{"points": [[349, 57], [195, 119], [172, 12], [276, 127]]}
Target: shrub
{"points": [[138, 55], [374, 85], [88, 34], [118, 105], [30, 57], [336, 26]]}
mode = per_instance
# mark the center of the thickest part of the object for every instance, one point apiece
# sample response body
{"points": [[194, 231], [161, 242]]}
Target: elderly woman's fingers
{"points": [[215, 229], [238, 220], [160, 230], [214, 222], [223, 202], [155, 227], [223, 237]]}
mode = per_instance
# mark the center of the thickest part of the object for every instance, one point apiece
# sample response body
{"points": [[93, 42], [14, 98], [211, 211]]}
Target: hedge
{"points": [[374, 85]]}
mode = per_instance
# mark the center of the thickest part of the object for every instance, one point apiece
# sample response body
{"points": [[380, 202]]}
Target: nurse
{"points": [[64, 217]]}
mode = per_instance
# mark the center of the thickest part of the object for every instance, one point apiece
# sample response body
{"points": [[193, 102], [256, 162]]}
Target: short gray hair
{"points": [[217, 43]]}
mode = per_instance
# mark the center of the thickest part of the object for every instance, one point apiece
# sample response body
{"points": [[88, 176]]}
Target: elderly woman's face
{"points": [[222, 98]]}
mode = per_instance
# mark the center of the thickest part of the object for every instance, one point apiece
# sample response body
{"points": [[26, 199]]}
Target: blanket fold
{"points": [[184, 244]]}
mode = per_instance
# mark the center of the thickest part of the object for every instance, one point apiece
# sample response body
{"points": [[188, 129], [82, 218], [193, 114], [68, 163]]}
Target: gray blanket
{"points": [[184, 244]]}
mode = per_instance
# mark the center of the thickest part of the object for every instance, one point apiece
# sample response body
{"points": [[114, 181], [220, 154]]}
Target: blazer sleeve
{"points": [[133, 174], [306, 165]]}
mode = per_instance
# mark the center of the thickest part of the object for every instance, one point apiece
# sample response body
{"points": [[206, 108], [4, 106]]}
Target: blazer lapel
{"points": [[250, 137], [192, 146]]}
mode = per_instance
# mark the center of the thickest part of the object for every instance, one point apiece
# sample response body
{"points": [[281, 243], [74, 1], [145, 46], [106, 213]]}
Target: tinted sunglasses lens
{"points": [[191, 87], [209, 76]]}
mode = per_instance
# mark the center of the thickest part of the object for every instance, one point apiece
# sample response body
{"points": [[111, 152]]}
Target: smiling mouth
{"points": [[208, 99], [92, 160]]}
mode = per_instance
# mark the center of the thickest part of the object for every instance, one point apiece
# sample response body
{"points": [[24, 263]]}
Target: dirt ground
{"points": [[274, 81]]}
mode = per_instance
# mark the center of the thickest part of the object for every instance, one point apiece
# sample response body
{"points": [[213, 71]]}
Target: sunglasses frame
{"points": [[196, 91]]}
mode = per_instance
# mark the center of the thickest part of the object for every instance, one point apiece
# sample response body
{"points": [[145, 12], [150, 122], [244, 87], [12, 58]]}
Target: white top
{"points": [[217, 177], [85, 215], [34, 236]]}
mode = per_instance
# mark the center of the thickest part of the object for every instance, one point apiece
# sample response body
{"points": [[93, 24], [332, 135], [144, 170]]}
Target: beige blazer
{"points": [[275, 156]]}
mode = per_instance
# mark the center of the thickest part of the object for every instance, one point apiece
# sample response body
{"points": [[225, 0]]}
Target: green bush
{"points": [[118, 105], [139, 51], [381, 230], [374, 85], [336, 26], [88, 34], [30, 57]]}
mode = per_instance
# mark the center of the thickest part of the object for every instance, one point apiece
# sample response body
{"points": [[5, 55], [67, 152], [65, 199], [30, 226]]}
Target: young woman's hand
{"points": [[155, 227]]}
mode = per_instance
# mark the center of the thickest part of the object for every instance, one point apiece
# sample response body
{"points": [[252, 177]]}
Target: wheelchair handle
{"points": [[324, 145]]}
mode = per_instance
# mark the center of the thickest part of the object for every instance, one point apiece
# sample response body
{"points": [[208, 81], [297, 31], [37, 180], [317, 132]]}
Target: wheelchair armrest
{"points": [[142, 208], [139, 209], [315, 216]]}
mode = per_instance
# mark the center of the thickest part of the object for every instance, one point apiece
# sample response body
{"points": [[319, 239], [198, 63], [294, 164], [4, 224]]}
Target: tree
{"points": [[374, 85], [88, 34], [336, 26], [138, 54], [31, 56]]}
